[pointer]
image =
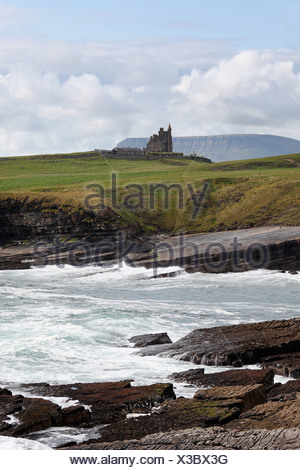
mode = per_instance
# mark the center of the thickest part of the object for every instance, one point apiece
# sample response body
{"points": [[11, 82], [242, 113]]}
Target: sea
{"points": [[65, 324]]}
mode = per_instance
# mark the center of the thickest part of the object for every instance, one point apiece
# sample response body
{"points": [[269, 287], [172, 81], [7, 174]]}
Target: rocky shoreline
{"points": [[38, 233], [276, 248], [273, 344], [240, 408]]}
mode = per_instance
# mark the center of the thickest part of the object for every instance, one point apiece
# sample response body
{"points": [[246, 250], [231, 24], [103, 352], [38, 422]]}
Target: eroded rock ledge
{"points": [[215, 438], [98, 403], [269, 343], [227, 417]]}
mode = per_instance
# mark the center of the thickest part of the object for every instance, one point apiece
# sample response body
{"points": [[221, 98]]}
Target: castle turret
{"points": [[169, 139]]}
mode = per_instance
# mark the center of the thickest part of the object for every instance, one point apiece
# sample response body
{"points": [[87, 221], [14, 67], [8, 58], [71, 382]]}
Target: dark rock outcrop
{"points": [[249, 420], [109, 401], [234, 345], [280, 410], [104, 403], [180, 414], [141, 341], [40, 219], [20, 415], [283, 392], [45, 232], [228, 377], [209, 407], [243, 397], [260, 247], [270, 415], [4, 391], [284, 364]]}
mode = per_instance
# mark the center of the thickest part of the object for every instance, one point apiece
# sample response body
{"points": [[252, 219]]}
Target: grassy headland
{"points": [[244, 193]]}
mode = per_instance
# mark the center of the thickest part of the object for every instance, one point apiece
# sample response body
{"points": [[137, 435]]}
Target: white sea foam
{"points": [[59, 436], [14, 443], [63, 402], [12, 419]]}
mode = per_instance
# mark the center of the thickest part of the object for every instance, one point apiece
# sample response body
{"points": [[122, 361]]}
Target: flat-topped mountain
{"points": [[228, 146]]}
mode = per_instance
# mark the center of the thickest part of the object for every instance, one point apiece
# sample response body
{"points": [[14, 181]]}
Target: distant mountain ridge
{"points": [[228, 146]]}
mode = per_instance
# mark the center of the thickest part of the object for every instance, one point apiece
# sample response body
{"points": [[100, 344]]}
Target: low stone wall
{"points": [[143, 157]]}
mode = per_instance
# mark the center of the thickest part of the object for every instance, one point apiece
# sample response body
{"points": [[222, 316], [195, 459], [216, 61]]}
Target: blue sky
{"points": [[254, 24], [76, 75]]}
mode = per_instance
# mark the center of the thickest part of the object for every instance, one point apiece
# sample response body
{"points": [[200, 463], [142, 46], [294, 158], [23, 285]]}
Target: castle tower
{"points": [[169, 139], [161, 141]]}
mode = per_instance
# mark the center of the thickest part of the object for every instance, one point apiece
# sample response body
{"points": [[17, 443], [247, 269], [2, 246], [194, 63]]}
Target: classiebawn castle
{"points": [[159, 146], [162, 141]]}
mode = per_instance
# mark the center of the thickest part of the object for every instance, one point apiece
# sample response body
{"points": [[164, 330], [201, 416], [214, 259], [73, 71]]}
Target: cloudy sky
{"points": [[77, 75]]}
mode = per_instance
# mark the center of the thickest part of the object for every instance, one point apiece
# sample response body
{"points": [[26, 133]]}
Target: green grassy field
{"points": [[242, 193]]}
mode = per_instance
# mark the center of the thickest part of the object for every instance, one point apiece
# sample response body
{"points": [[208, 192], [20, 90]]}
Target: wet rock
{"points": [[180, 414], [236, 407], [282, 244], [214, 438], [228, 377], [20, 415], [73, 416], [270, 415], [235, 344], [282, 410], [36, 414], [9, 405], [191, 376], [109, 401], [209, 407], [187, 412], [141, 341], [4, 391], [243, 397], [284, 364], [284, 392]]}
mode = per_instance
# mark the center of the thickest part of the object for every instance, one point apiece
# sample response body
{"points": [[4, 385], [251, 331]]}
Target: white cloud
{"points": [[253, 91], [40, 113], [59, 96]]}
